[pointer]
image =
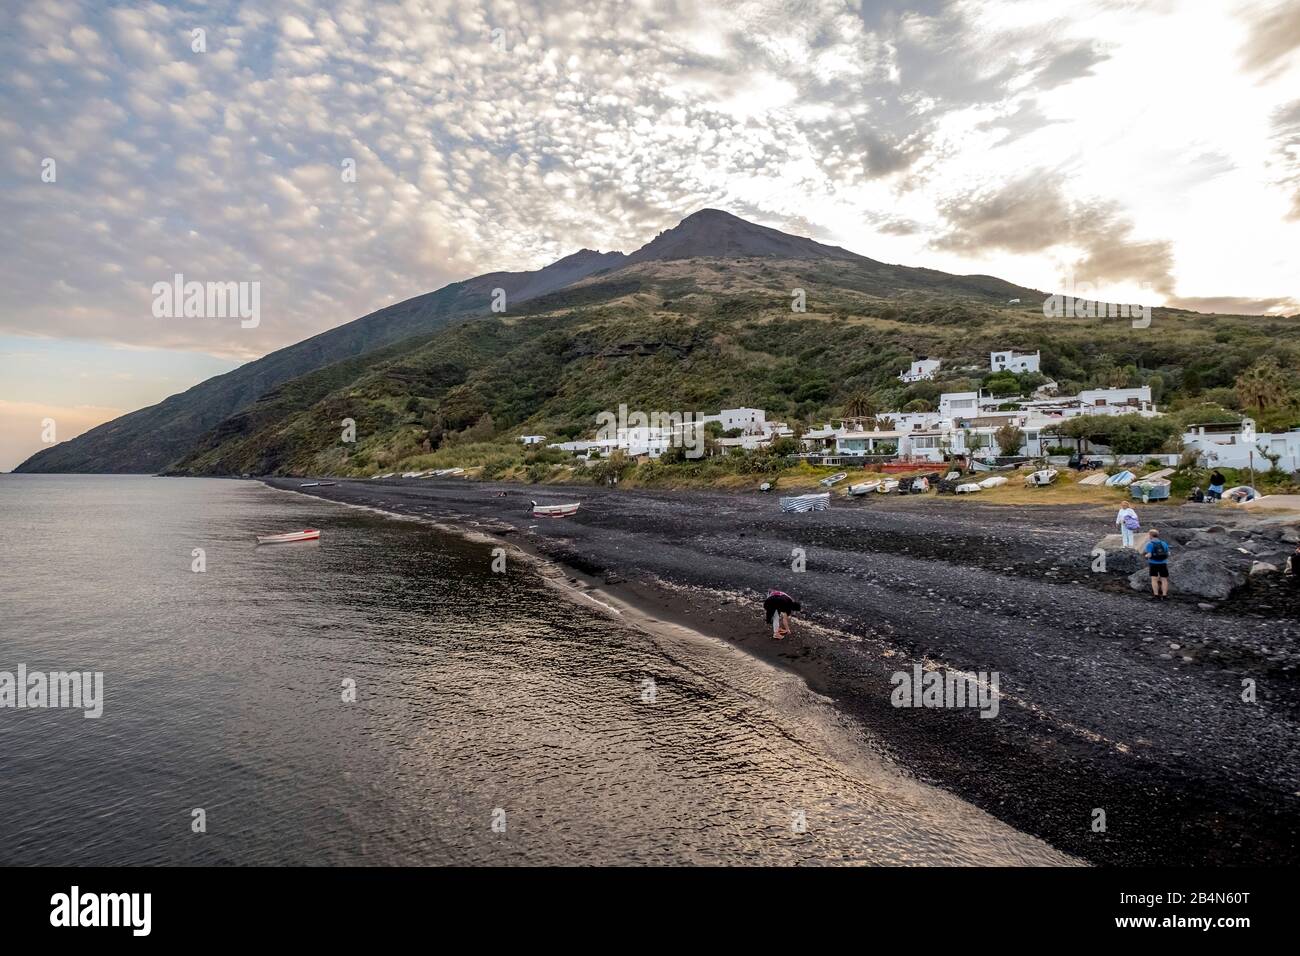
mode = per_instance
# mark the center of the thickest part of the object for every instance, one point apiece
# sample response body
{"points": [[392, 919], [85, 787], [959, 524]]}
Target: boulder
{"points": [[1123, 560], [1200, 573], [1260, 568], [1209, 538]]}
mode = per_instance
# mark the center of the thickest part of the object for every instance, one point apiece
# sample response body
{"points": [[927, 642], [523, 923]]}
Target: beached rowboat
{"points": [[1150, 490], [798, 503], [311, 534], [864, 488], [1042, 477], [834, 479], [555, 511]]}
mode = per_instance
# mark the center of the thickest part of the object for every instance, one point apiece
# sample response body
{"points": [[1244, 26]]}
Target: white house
{"points": [[1116, 401], [532, 439], [921, 370], [1238, 445], [1013, 361], [957, 404], [866, 443], [750, 419]]}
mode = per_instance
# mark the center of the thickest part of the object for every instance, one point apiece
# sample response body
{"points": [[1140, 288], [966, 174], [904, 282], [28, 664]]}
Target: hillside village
{"points": [[977, 424]]}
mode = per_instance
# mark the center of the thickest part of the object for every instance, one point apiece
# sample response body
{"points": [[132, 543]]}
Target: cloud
{"points": [[503, 135], [1286, 141], [1274, 36], [1033, 214]]}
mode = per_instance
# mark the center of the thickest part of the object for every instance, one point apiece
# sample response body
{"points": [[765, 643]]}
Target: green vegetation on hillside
{"points": [[723, 335]]}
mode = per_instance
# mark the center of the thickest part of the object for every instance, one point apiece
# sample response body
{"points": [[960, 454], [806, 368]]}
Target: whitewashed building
{"points": [[1238, 445], [532, 439], [750, 419], [921, 370], [956, 404], [1012, 361]]}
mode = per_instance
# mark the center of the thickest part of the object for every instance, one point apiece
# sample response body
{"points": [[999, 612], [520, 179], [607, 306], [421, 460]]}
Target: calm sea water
{"points": [[479, 697]]}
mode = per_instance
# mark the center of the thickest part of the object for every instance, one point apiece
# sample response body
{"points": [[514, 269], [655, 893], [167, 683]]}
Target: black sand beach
{"points": [[1109, 700]]}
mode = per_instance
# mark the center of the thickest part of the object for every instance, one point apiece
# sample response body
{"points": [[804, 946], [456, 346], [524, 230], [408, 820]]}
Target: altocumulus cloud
{"points": [[503, 135]]}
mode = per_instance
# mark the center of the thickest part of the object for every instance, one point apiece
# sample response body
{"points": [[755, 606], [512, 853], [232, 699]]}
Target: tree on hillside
{"points": [[859, 405], [919, 405], [1262, 386], [1009, 438]]}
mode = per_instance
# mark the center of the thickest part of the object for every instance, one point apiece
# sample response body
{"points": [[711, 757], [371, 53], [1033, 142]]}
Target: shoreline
{"points": [[1056, 753], [649, 611]]}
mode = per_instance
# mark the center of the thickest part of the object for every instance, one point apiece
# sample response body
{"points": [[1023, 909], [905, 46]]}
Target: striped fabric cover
{"points": [[820, 502]]}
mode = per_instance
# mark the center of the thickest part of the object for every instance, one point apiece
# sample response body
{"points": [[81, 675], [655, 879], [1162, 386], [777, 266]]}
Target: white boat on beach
{"points": [[555, 511], [1121, 479], [887, 485], [864, 488], [800, 503], [383, 476], [834, 479], [311, 534], [1042, 477], [993, 482], [969, 488]]}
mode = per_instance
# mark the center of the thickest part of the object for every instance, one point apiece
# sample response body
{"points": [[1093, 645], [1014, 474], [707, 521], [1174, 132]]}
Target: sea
{"points": [[392, 694]]}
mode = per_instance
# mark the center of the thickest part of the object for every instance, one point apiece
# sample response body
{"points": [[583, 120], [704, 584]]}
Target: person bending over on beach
{"points": [[1127, 519], [1157, 552], [1217, 481], [778, 607]]}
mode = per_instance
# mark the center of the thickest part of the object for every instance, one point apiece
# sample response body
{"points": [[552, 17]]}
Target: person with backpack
{"points": [[1127, 519], [1157, 552]]}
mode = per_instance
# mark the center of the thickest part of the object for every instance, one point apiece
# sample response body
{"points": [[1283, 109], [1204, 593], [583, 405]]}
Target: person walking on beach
{"points": [[778, 607], [1217, 481], [1127, 520], [1157, 552]]}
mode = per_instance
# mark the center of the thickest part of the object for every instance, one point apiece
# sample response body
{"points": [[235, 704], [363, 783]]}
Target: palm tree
{"points": [[859, 406], [1262, 386]]}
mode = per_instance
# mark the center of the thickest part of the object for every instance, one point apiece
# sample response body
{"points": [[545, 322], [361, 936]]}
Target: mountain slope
{"points": [[712, 233], [151, 438]]}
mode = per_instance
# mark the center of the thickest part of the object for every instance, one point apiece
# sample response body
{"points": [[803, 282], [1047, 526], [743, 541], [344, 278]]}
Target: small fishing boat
{"points": [[834, 479], [1150, 490], [969, 488], [800, 503], [887, 486], [998, 464], [864, 487], [765, 486], [1041, 478], [1121, 479], [1240, 494], [311, 534], [328, 484], [310, 484], [555, 511], [383, 476], [993, 482]]}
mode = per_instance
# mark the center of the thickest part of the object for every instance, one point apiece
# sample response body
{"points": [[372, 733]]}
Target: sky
{"points": [[345, 155]]}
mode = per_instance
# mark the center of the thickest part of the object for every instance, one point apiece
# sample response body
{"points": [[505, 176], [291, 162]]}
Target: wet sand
{"points": [[1097, 710]]}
